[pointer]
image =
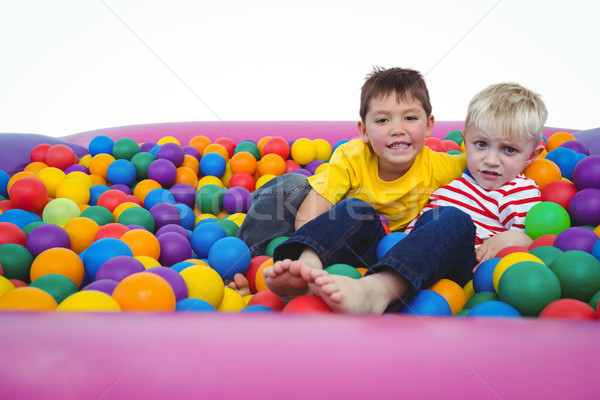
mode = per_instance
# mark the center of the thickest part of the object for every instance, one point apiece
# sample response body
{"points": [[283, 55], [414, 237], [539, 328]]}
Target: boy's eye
{"points": [[510, 150], [481, 144], [411, 118], [380, 120]]}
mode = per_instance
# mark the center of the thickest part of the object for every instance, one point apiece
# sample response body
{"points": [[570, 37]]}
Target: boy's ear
{"points": [[535, 153], [430, 125], [362, 129]]}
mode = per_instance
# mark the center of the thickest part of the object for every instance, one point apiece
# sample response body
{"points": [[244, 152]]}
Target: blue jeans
{"points": [[273, 211], [441, 245]]}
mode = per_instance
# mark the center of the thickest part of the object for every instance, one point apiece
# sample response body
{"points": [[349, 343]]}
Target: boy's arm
{"points": [[313, 205], [493, 245]]}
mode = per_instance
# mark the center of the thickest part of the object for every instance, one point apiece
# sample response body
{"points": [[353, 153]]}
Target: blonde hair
{"points": [[511, 109]]}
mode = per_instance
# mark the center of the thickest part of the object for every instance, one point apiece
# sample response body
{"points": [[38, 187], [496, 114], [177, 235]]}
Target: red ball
{"points": [[435, 144], [111, 230], [38, 153], [559, 192], [267, 298], [511, 249], [111, 199], [450, 145], [307, 304], [568, 309], [11, 233], [250, 274], [132, 199], [228, 144], [244, 180], [544, 240], [277, 145], [6, 205], [60, 156], [291, 165], [29, 194]]}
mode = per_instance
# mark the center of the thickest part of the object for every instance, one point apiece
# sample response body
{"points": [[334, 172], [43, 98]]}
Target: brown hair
{"points": [[402, 81]]}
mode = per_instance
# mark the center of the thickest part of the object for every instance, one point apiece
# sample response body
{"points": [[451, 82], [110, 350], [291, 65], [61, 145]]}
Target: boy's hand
{"points": [[493, 245]]}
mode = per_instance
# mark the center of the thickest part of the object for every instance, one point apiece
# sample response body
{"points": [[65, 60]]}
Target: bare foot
{"points": [[371, 294], [240, 284], [284, 279]]}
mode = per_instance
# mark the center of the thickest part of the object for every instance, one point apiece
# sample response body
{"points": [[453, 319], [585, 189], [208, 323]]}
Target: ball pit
{"points": [[413, 335]]}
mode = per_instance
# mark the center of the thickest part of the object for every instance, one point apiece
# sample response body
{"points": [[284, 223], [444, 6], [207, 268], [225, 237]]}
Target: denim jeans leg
{"points": [[273, 211], [348, 233], [441, 245]]}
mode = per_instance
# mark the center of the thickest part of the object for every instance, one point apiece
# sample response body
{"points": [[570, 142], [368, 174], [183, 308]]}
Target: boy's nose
{"points": [[491, 158]]}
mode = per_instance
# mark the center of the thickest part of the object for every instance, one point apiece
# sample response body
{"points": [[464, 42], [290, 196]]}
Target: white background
{"points": [[68, 66]]}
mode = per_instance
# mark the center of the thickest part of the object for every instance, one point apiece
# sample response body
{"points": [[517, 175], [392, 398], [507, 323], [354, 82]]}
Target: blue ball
{"points": [[181, 265], [156, 196], [204, 236], [427, 302], [19, 217], [596, 250], [387, 242], [101, 251], [101, 144], [566, 159], [188, 218], [254, 308], [483, 279], [4, 178], [229, 256], [493, 308], [193, 304], [213, 164], [121, 171], [95, 193], [339, 143]]}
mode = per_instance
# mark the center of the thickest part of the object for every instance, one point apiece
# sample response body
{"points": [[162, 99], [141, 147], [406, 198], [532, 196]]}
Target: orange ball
{"points": [[199, 142], [144, 291], [81, 230], [186, 175], [99, 164], [58, 260], [261, 144], [260, 279], [27, 298], [216, 148], [191, 162], [142, 243], [144, 187], [558, 138], [543, 172], [271, 164], [452, 292], [243, 162]]}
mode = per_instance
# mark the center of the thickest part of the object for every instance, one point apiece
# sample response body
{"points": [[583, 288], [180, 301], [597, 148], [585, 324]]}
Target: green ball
{"points": [[99, 214], [58, 286], [455, 136], [248, 147], [594, 301], [137, 216], [60, 211], [29, 227], [462, 313], [454, 152], [578, 273], [209, 199], [16, 261], [546, 218], [125, 148], [480, 297], [141, 161], [546, 253], [230, 227], [528, 286], [345, 270], [274, 243]]}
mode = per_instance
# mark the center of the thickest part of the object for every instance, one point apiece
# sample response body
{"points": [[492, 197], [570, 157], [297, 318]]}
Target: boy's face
{"points": [[493, 159], [396, 132]]}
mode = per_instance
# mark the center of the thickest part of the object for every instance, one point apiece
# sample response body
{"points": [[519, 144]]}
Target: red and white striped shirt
{"points": [[492, 211]]}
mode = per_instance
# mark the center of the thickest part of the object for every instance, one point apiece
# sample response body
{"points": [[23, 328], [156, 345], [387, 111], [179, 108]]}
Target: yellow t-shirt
{"points": [[353, 172]]}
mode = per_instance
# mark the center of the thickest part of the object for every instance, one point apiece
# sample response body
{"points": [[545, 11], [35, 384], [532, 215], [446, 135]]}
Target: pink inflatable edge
{"points": [[190, 355]]}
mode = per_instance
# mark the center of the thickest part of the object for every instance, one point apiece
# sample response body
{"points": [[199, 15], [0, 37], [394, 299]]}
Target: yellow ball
{"points": [[452, 292], [210, 180], [508, 261], [81, 176], [122, 207], [60, 211], [168, 139], [27, 298], [89, 300], [147, 261], [323, 149], [264, 179], [238, 218], [52, 177], [247, 298], [232, 301], [303, 151], [73, 189], [204, 283], [321, 168], [35, 167], [469, 289], [85, 160], [5, 285]]}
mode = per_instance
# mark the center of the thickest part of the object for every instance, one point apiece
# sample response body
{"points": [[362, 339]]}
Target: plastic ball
{"points": [[546, 218], [452, 292], [271, 164], [565, 159], [213, 164], [578, 273], [89, 300], [255, 264], [559, 192], [99, 164], [509, 250], [59, 261], [74, 190], [204, 236], [249, 147], [158, 196], [101, 251], [455, 136], [557, 139], [303, 151], [229, 256], [228, 143], [29, 194], [237, 200], [121, 171], [162, 171], [125, 148], [172, 152], [99, 214], [543, 171], [323, 149], [110, 230], [494, 309], [483, 278], [4, 178], [199, 143], [544, 240], [103, 285], [529, 287], [576, 146], [204, 283], [51, 178], [11, 233], [344, 270], [101, 144], [273, 243], [479, 298], [576, 238], [508, 261], [387, 242], [164, 214], [16, 261], [60, 156], [46, 236], [584, 207], [232, 301], [546, 253], [427, 302], [5, 285], [195, 305], [593, 302], [306, 304], [144, 291], [268, 299], [216, 148], [21, 218], [209, 199], [243, 162], [435, 144], [119, 267], [568, 309], [58, 286], [173, 248], [38, 153], [586, 173], [174, 279], [256, 308], [27, 298]]}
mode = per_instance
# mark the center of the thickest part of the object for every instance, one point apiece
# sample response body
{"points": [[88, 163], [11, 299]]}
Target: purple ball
{"points": [[584, 207], [134, 226], [313, 165], [586, 173], [164, 214], [191, 151], [576, 238], [103, 285], [301, 171], [122, 187], [175, 280], [172, 152], [174, 248], [77, 168], [162, 171], [147, 146], [173, 228], [119, 267], [576, 146], [184, 193], [46, 236], [237, 200]]}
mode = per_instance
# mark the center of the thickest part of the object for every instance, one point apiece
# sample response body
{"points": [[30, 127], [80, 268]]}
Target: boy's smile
{"points": [[396, 131]]}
